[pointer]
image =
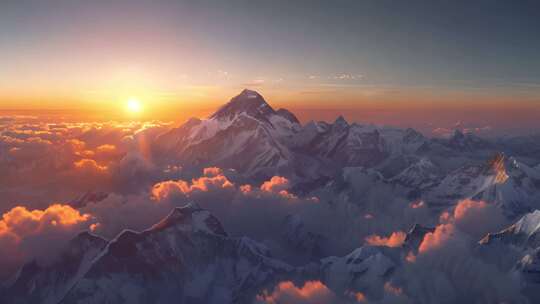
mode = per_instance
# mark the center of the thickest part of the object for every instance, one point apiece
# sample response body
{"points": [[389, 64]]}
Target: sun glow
{"points": [[134, 105]]}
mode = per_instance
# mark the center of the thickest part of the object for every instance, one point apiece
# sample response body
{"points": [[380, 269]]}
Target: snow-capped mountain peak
{"points": [[340, 122], [248, 102]]}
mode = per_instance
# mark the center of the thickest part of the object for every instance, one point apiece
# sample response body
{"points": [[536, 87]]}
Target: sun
{"points": [[134, 105]]}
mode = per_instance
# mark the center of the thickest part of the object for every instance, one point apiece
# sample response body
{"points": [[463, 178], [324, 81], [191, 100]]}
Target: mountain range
{"points": [[355, 171]]}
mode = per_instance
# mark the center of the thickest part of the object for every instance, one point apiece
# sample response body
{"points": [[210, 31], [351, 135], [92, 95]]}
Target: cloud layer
{"points": [[27, 234]]}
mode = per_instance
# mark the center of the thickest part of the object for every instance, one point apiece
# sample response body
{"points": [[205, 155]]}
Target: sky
{"points": [[425, 64]]}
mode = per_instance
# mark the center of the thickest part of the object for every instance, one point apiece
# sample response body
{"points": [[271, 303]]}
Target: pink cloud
{"points": [[436, 239], [467, 208], [246, 189], [89, 164], [165, 189], [26, 234], [22, 222], [212, 171], [275, 184], [314, 292], [396, 239]]}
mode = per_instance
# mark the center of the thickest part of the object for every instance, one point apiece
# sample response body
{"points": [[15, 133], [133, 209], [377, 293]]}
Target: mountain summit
{"points": [[248, 102]]}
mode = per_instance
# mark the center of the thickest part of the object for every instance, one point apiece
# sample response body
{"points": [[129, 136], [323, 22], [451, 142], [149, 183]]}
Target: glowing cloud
{"points": [[396, 239], [275, 184], [165, 189], [36, 233], [212, 171], [287, 292], [436, 239], [106, 148], [89, 164], [472, 217], [23, 222], [465, 207]]}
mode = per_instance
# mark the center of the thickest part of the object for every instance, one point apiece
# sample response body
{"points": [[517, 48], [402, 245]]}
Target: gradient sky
{"points": [[392, 62]]}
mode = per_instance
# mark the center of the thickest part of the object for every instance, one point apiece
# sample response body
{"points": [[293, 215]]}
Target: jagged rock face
{"points": [[185, 258]]}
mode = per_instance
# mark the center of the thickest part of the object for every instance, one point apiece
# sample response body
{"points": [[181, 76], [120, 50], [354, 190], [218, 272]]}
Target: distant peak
{"points": [[250, 93], [248, 102], [458, 134], [340, 121]]}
